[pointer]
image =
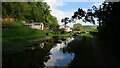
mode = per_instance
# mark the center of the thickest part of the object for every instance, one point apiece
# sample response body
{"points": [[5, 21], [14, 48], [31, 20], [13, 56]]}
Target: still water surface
{"points": [[47, 53], [57, 57]]}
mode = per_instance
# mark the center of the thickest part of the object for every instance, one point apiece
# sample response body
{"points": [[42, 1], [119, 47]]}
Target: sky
{"points": [[66, 8]]}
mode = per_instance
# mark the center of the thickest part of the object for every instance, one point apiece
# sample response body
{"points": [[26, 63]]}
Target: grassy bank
{"points": [[15, 36], [66, 34]]}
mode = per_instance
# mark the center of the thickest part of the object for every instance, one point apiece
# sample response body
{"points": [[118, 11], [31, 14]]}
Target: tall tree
{"points": [[29, 11], [108, 17]]}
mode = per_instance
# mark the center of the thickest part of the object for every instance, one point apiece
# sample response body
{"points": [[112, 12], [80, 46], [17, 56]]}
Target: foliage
{"points": [[65, 20], [90, 28], [29, 11], [108, 18], [78, 27], [85, 16]]}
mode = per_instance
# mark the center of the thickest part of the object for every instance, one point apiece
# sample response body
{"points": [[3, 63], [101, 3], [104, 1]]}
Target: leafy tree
{"points": [[30, 11], [65, 21], [77, 27], [85, 16], [108, 17]]}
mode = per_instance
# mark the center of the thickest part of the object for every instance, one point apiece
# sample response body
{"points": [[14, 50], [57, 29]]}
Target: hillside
{"points": [[15, 36], [29, 12]]}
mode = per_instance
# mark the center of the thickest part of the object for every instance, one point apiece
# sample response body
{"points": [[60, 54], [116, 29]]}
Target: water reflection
{"points": [[34, 56], [58, 58], [46, 53]]}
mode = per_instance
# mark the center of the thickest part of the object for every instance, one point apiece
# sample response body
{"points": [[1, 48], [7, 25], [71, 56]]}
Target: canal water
{"points": [[44, 54], [57, 57], [61, 52]]}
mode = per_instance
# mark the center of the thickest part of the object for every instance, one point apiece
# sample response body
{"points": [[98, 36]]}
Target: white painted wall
{"points": [[35, 25]]}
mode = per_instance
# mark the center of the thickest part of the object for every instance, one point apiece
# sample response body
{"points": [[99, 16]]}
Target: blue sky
{"points": [[75, 5], [64, 8]]}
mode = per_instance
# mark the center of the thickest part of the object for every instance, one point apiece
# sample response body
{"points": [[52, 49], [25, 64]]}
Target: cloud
{"points": [[56, 12], [80, 0], [53, 3], [60, 14], [97, 4]]}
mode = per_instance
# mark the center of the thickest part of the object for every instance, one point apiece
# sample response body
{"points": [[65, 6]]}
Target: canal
{"points": [[61, 51], [46, 53]]}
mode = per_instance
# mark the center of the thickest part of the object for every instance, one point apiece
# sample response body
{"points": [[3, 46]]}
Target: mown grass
{"points": [[16, 29], [15, 36]]}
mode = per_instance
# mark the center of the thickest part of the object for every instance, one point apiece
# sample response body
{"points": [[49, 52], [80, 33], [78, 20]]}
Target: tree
{"points": [[30, 11], [77, 27], [108, 17], [65, 21], [85, 16]]}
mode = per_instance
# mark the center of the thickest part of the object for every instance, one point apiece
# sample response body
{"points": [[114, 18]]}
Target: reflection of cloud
{"points": [[59, 58]]}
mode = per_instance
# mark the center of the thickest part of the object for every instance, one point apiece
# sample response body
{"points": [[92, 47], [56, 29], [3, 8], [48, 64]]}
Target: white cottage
{"points": [[35, 25], [66, 28]]}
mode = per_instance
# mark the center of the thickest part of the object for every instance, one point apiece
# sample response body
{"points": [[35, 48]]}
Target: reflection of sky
{"points": [[59, 58]]}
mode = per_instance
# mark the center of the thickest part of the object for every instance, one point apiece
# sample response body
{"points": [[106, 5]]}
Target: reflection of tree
{"points": [[82, 48], [30, 58]]}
